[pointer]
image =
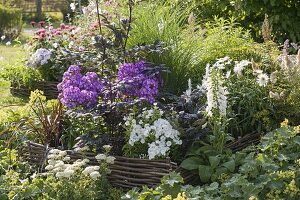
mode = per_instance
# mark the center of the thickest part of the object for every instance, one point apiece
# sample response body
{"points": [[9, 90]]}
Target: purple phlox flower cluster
{"points": [[79, 90], [138, 83]]}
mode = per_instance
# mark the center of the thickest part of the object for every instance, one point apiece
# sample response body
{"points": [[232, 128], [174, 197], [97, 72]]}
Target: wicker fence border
{"points": [[127, 173]]}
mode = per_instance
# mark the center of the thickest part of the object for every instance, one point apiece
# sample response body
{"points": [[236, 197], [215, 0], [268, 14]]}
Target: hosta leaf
{"points": [[230, 165], [214, 161], [191, 163], [205, 173]]}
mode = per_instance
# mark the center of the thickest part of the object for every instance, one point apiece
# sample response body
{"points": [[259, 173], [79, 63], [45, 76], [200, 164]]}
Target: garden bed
{"points": [[126, 173]]}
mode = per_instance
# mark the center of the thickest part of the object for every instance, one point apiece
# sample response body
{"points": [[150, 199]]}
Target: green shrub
{"points": [[20, 75], [283, 15], [11, 22]]}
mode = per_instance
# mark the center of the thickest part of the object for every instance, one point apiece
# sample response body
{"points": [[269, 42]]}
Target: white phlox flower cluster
{"points": [[40, 57], [149, 124], [58, 164]]}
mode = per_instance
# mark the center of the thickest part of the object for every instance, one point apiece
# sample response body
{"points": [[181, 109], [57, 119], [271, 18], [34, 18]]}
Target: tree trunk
{"points": [[38, 9]]}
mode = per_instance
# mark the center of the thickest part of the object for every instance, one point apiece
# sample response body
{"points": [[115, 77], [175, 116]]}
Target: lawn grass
{"points": [[10, 54]]}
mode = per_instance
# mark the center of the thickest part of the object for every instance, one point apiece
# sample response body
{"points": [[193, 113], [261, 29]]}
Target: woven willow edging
{"points": [[126, 173], [49, 88]]}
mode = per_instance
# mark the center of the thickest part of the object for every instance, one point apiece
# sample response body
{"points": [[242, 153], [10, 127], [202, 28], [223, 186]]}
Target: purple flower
{"points": [[78, 90], [137, 82]]}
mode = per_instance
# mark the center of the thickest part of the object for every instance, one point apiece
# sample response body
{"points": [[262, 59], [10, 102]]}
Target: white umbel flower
{"points": [[95, 175], [100, 157]]}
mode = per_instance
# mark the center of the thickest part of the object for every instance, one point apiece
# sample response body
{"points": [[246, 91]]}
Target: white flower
{"points": [[3, 37], [54, 151], [59, 164], [222, 62], [59, 175], [95, 175], [228, 73], [62, 153], [85, 160], [67, 158], [72, 6], [52, 162], [188, 92], [216, 93], [8, 43], [110, 159], [52, 156], [88, 170], [107, 147], [55, 45], [100, 157], [239, 66], [84, 10], [262, 79], [169, 143], [41, 56], [68, 173], [49, 167]]}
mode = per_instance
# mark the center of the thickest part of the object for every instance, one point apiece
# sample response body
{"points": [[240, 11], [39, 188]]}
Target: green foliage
{"points": [[76, 125], [283, 15], [11, 22], [190, 46], [18, 182], [45, 121], [20, 75], [268, 171], [252, 109], [209, 163]]}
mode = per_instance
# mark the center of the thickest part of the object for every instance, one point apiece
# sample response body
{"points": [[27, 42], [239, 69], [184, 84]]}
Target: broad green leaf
{"points": [[229, 165], [214, 161], [205, 173], [191, 163]]}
